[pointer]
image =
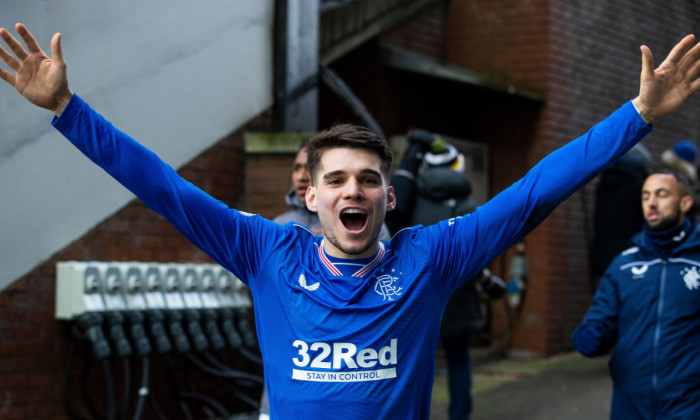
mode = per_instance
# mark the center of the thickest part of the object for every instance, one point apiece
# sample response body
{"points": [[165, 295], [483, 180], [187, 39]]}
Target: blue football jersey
{"points": [[360, 342]]}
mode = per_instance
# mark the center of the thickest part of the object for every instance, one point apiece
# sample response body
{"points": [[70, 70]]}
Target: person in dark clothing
{"points": [[647, 307], [617, 215], [441, 191]]}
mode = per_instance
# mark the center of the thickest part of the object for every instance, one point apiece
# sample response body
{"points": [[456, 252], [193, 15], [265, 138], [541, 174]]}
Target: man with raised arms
{"points": [[348, 325]]}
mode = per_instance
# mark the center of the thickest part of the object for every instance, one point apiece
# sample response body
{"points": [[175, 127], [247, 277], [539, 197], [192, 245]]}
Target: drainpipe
{"points": [[296, 61]]}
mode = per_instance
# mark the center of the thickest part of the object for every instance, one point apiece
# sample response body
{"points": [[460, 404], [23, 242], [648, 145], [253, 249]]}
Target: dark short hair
{"points": [[352, 136], [304, 144], [681, 179]]}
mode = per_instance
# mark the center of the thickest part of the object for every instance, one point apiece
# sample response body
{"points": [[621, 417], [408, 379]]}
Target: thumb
{"points": [[56, 51]]}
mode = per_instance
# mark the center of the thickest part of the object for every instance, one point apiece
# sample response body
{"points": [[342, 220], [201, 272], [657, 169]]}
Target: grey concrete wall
{"points": [[177, 76]]}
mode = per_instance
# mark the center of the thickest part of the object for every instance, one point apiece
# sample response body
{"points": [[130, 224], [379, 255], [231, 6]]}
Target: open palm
{"points": [[666, 88], [37, 77]]}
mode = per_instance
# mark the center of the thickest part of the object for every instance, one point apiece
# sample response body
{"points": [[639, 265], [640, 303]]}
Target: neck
{"points": [[670, 238], [333, 251]]}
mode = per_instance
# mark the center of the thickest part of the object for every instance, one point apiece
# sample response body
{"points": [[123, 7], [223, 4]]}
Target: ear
{"points": [[686, 204], [390, 199], [311, 197]]}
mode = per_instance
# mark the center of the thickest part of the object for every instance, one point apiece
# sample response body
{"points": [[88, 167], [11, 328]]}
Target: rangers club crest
{"points": [[386, 286], [691, 277]]}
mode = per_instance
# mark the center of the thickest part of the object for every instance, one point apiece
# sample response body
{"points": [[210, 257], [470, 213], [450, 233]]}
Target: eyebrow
{"points": [[365, 171], [658, 190]]}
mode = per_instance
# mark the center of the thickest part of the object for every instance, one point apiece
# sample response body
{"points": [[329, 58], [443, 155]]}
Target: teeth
{"points": [[353, 211]]}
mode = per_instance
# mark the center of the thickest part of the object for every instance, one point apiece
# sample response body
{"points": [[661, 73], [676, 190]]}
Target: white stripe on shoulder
{"points": [[684, 260], [303, 227], [641, 263], [629, 251]]}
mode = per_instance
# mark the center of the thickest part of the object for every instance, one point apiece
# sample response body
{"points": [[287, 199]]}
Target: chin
{"points": [[355, 250]]}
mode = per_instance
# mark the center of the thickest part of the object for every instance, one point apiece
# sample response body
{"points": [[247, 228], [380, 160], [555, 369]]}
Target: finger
{"points": [[7, 76], [694, 85], [56, 50], [14, 45], [677, 52], [691, 57], [9, 59], [647, 62], [693, 71], [28, 38]]}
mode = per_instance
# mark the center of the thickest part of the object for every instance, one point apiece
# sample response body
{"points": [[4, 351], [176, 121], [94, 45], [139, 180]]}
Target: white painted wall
{"points": [[177, 76]]}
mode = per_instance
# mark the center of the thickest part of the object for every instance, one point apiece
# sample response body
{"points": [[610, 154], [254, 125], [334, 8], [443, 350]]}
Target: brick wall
{"points": [[584, 56], [426, 34], [34, 346], [269, 178]]}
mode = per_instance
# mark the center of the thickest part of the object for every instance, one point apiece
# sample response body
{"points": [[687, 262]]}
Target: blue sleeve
{"points": [[598, 331], [464, 245], [222, 233]]}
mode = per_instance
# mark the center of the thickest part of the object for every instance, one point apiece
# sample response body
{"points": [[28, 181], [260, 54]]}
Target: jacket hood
{"points": [[443, 183], [293, 201]]}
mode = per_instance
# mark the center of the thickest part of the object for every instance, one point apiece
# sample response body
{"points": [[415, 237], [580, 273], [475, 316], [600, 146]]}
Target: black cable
{"points": [[210, 402], [174, 388], [217, 364], [226, 386], [91, 324], [210, 319], [250, 356], [253, 403], [84, 379], [205, 401], [142, 348], [109, 387], [143, 391], [189, 379], [193, 326], [154, 404], [228, 373], [66, 374], [126, 397]]}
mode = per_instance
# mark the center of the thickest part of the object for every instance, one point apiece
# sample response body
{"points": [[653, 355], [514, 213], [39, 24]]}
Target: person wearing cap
{"points": [[424, 197], [681, 159]]}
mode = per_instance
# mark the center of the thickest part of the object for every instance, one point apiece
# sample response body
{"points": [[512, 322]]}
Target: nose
{"points": [[302, 175], [353, 190]]}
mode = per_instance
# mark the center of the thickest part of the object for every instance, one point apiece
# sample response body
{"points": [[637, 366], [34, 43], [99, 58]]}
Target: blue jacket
{"points": [[648, 308]]}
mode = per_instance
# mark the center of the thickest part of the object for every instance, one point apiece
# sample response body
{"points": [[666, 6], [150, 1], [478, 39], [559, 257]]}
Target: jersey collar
{"points": [[360, 272]]}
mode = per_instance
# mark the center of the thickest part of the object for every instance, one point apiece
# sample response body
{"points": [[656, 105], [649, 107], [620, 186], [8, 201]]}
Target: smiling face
{"points": [[301, 180], [665, 201], [351, 197]]}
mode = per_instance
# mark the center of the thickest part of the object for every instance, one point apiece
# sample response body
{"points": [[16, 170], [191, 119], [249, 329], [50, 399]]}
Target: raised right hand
{"points": [[37, 77]]}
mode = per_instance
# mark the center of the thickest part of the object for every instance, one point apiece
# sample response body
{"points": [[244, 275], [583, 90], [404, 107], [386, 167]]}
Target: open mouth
{"points": [[354, 220]]}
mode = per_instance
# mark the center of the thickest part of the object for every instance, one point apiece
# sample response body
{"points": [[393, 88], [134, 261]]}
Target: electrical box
{"points": [[96, 286]]}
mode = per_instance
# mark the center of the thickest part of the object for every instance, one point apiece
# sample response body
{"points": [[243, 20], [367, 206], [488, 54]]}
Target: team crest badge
{"points": [[386, 286], [691, 277]]}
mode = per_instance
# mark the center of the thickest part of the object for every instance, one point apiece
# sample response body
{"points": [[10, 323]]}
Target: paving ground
{"points": [[566, 386]]}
